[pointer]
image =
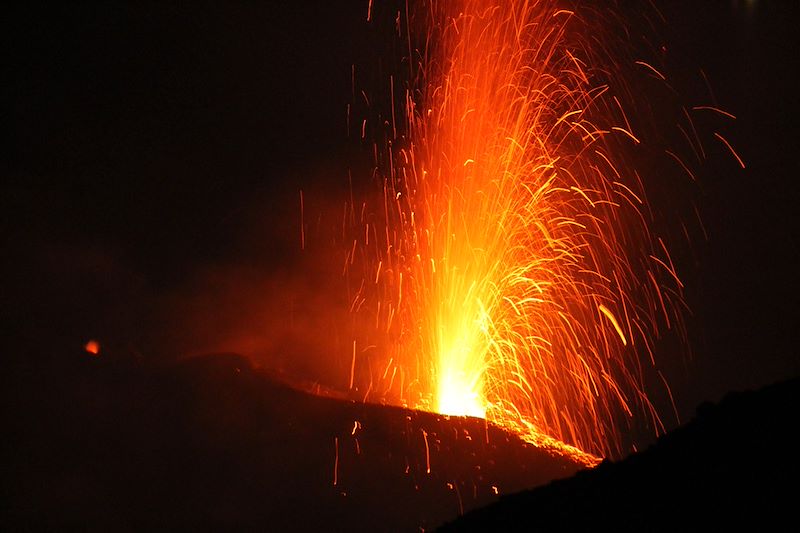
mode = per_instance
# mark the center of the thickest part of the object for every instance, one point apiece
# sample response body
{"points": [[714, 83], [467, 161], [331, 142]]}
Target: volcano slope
{"points": [[733, 467], [103, 443]]}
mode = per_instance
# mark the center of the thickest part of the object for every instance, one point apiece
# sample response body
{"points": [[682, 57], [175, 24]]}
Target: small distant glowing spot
{"points": [[495, 490], [92, 347]]}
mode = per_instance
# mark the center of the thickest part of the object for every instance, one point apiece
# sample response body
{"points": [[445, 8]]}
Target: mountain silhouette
{"points": [[734, 465]]}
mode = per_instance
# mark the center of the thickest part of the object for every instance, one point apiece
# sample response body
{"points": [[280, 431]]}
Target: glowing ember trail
{"points": [[508, 272]]}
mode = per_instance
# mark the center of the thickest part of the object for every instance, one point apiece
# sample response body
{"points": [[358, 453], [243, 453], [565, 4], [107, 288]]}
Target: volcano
{"points": [[151, 200], [212, 441]]}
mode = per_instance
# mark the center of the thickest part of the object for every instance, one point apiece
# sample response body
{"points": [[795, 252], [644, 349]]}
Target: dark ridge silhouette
{"points": [[102, 443], [733, 466]]}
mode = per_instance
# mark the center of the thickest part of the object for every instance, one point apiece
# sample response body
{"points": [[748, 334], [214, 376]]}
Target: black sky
{"points": [[151, 140]]}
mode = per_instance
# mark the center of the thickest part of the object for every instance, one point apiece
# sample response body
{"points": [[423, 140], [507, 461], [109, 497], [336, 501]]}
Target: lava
{"points": [[508, 271], [92, 347]]}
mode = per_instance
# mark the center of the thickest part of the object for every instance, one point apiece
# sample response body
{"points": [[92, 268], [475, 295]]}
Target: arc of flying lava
{"points": [[509, 271]]}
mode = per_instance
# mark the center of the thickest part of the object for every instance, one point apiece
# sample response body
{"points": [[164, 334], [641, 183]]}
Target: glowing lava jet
{"points": [[508, 271]]}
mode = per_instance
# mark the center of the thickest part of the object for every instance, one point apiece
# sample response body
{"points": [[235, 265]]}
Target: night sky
{"points": [[156, 152]]}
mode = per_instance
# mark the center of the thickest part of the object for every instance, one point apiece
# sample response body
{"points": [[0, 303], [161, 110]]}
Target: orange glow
{"points": [[92, 347], [427, 452], [509, 272], [336, 461], [733, 152]]}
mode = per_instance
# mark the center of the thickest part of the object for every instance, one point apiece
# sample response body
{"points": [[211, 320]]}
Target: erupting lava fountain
{"points": [[508, 270]]}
